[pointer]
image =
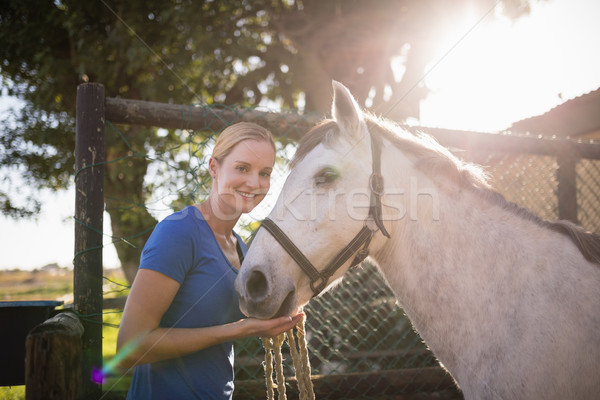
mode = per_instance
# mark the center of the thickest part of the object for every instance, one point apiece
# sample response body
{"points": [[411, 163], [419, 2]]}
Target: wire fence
{"points": [[361, 344]]}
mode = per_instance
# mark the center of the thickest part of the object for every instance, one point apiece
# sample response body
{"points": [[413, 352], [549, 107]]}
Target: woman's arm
{"points": [[141, 337]]}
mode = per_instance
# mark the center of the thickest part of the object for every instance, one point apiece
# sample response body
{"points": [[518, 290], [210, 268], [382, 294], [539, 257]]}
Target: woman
{"points": [[182, 313]]}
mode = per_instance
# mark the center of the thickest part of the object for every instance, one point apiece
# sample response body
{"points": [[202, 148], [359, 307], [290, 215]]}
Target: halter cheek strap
{"points": [[376, 185], [320, 279]]}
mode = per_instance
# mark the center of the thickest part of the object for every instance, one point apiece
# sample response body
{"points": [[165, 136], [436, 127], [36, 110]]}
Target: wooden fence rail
{"points": [[181, 116], [410, 381]]}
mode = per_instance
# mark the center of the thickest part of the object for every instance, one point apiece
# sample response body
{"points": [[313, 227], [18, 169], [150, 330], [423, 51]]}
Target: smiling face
{"points": [[243, 177]]}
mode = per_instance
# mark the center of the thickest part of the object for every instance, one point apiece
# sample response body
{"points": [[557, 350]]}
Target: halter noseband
{"points": [[319, 280]]}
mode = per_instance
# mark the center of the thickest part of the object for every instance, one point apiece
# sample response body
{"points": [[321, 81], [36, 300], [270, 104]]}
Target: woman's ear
{"points": [[212, 167]]}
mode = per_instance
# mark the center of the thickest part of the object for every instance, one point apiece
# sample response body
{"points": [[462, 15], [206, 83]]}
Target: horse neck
{"points": [[454, 266], [450, 230]]}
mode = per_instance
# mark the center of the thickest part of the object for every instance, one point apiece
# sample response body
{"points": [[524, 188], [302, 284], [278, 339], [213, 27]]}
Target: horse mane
{"points": [[323, 132], [437, 161]]}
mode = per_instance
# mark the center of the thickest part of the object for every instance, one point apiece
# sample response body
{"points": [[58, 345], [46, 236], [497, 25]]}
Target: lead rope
{"points": [[299, 352], [268, 345]]}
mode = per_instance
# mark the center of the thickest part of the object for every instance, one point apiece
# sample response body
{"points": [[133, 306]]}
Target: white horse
{"points": [[508, 303]]}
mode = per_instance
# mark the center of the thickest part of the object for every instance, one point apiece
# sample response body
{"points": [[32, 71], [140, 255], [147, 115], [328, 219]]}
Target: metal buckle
{"points": [[320, 287], [362, 254], [376, 184], [371, 224]]}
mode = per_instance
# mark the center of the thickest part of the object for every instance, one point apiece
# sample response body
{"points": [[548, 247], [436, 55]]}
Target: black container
{"points": [[17, 318]]}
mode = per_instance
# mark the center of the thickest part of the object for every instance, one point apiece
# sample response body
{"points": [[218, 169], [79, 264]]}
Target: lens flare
{"points": [[111, 367], [97, 375]]}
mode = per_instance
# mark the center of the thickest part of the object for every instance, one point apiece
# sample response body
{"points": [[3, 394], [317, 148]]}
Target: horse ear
{"points": [[345, 110]]}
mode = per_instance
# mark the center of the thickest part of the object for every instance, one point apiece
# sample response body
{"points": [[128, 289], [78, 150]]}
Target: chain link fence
{"points": [[361, 345], [360, 342], [588, 194]]}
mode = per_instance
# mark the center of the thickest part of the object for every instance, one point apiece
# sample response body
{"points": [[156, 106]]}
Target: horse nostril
{"points": [[257, 286]]}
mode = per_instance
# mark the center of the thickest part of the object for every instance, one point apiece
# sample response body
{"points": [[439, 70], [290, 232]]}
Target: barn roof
{"points": [[573, 118]]}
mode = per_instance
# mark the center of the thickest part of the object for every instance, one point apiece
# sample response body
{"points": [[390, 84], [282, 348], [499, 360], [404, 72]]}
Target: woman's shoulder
{"points": [[175, 243], [182, 228], [188, 213], [183, 221]]}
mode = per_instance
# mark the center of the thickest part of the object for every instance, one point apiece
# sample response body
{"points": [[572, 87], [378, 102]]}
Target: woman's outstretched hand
{"points": [[269, 327]]}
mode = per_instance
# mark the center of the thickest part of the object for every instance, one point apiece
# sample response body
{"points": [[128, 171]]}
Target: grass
{"points": [[12, 392], [36, 285], [118, 382], [57, 284]]}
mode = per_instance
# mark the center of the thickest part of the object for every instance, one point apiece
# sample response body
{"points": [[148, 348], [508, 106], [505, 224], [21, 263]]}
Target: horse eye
{"points": [[326, 176]]}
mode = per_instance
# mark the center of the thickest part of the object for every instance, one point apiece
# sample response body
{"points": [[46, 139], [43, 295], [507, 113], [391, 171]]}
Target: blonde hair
{"points": [[236, 133]]}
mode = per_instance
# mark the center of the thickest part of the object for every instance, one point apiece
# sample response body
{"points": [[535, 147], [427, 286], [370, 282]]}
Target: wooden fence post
{"points": [[566, 175], [53, 359], [89, 208]]}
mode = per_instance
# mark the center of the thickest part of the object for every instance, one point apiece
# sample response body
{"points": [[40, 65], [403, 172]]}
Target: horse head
{"points": [[326, 203]]}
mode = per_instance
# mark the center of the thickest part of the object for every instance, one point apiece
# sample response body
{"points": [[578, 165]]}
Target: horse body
{"points": [[508, 304]]}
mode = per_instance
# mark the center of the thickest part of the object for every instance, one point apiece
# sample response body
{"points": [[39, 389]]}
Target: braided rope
{"points": [[277, 343], [297, 363], [304, 361], [299, 352], [268, 345]]}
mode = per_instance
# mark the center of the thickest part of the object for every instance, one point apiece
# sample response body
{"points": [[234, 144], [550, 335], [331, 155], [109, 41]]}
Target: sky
{"points": [[486, 77]]}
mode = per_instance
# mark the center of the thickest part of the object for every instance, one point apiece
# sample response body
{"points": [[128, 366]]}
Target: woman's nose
{"points": [[253, 180]]}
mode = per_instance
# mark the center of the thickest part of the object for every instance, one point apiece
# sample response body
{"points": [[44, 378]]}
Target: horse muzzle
{"points": [[260, 297]]}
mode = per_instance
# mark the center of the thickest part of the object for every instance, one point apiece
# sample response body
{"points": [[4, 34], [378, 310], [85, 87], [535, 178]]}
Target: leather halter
{"points": [[320, 279]]}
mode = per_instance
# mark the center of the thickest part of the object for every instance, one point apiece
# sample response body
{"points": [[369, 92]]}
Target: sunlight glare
{"points": [[502, 72]]}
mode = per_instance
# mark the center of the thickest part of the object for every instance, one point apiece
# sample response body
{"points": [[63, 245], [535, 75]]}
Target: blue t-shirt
{"points": [[183, 247]]}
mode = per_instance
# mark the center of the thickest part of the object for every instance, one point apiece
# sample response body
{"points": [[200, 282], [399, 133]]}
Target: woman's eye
{"points": [[326, 176], [242, 168]]}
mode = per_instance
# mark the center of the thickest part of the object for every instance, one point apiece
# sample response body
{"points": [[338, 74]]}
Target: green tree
{"points": [[184, 51]]}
